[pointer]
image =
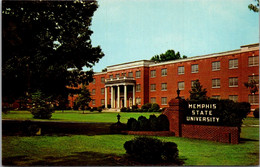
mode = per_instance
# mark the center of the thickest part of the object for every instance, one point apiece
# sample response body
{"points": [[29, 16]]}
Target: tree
{"points": [[254, 8], [168, 55], [252, 86], [83, 99], [45, 46], [197, 92]]}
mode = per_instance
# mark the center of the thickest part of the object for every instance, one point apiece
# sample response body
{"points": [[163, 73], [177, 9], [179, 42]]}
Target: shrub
{"points": [[109, 106], [75, 106], [153, 122], [143, 123], [135, 107], [163, 123], [123, 109], [256, 113], [88, 108], [150, 150], [155, 107], [42, 112], [95, 108], [146, 107], [91, 110], [128, 109], [129, 123], [99, 109]]}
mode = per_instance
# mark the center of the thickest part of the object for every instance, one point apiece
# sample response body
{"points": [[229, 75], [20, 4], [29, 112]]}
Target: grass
{"points": [[78, 116], [104, 149]]}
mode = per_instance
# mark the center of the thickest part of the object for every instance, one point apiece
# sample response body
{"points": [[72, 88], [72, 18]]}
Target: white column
{"points": [[112, 97], [118, 96], [114, 100], [105, 97], [133, 94], [125, 96]]}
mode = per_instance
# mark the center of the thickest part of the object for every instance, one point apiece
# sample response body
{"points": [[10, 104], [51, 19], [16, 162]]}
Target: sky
{"points": [[131, 30]]}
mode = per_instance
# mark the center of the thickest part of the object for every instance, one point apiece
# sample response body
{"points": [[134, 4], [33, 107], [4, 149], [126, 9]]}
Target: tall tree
{"points": [[254, 7], [197, 92], [83, 99], [42, 41], [168, 55]]}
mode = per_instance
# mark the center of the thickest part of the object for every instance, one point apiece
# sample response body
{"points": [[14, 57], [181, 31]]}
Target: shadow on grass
{"points": [[244, 140], [81, 159]]}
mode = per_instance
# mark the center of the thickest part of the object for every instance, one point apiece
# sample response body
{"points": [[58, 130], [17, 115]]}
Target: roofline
{"points": [[242, 50]]}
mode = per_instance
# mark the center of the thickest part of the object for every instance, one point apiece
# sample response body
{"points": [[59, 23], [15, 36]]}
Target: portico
{"points": [[122, 92]]}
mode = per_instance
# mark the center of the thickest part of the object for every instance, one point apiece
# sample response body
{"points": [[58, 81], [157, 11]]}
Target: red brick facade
{"points": [[222, 74]]}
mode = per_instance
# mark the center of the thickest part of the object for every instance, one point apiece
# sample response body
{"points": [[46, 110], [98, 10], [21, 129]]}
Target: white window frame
{"points": [[153, 99], [94, 81], [194, 68], [254, 61], [138, 74], [102, 79], [215, 97], [102, 91], [233, 64], [181, 85], [93, 91], [164, 86], [130, 74], [233, 82], [163, 100], [216, 66], [153, 73], [138, 101], [216, 83], [233, 97], [164, 72], [153, 87], [253, 77], [93, 102], [102, 101], [138, 88], [253, 99], [181, 70]]}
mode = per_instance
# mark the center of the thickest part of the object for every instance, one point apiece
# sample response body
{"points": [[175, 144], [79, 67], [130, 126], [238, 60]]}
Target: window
{"points": [[164, 72], [194, 68], [102, 101], [117, 75], [181, 85], [233, 97], [253, 99], [153, 99], [164, 86], [93, 91], [123, 74], [130, 74], [110, 76], [233, 63], [138, 74], [216, 97], [215, 83], [153, 73], [181, 70], [94, 81], [216, 66], [253, 61], [93, 102], [138, 100], [164, 101], [102, 91], [153, 87], [233, 82], [253, 77], [138, 88], [102, 80]]}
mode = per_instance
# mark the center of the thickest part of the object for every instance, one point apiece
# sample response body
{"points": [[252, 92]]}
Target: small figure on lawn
{"points": [[118, 118]]}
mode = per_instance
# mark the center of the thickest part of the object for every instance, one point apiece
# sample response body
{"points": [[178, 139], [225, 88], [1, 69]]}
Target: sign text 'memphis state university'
{"points": [[201, 113]]}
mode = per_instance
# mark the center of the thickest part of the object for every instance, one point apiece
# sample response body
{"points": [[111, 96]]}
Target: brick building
{"points": [[145, 81]]}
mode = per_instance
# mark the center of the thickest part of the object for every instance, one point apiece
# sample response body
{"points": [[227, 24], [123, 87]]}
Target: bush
{"points": [[150, 150], [129, 123], [163, 123], [123, 109], [143, 123], [155, 107], [256, 113], [94, 108], [153, 123], [88, 108], [42, 112], [99, 109], [91, 110]]}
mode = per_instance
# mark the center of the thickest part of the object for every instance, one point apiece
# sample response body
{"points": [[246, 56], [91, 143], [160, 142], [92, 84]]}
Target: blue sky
{"points": [[131, 30]]}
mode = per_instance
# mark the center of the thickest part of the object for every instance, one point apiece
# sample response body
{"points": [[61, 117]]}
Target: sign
{"points": [[201, 113]]}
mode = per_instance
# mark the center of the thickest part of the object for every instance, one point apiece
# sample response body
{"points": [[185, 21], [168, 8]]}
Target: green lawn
{"points": [[82, 149], [78, 116]]}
